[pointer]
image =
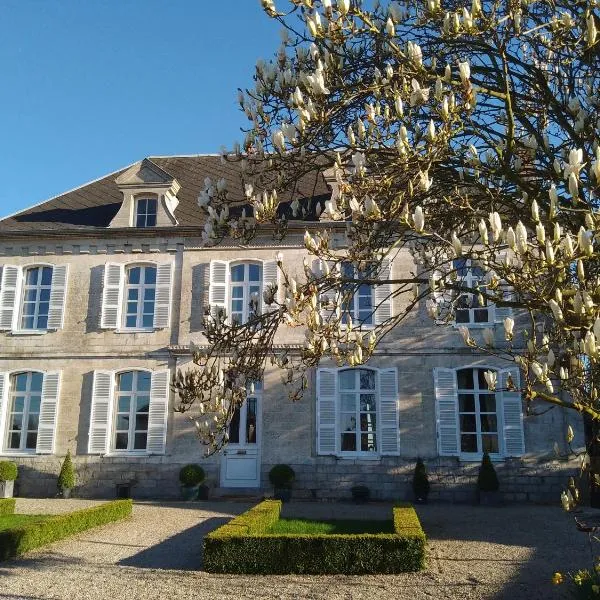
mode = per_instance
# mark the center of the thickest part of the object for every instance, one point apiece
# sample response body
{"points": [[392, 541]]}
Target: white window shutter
{"points": [[159, 407], [389, 411], [58, 295], [218, 289], [270, 277], [10, 296], [162, 304], [4, 383], [512, 413], [382, 294], [446, 410], [100, 418], [48, 413], [112, 296], [326, 410], [329, 297]]}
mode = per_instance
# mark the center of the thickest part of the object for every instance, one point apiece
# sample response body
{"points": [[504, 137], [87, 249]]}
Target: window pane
{"points": [[489, 423], [142, 404], [251, 420], [147, 321], [481, 315], [126, 381], [365, 302], [47, 276], [468, 423], [254, 273], [348, 379], [122, 423], [367, 380], [237, 273], [133, 275], [132, 308], [132, 294], [140, 220], [18, 404], [348, 442], [367, 402], [465, 379], [347, 422], [14, 441], [31, 277], [20, 382], [149, 293], [468, 443], [31, 442], [481, 379], [149, 307], [151, 221], [368, 422], [33, 422], [347, 402], [45, 295], [151, 204], [466, 403], [462, 316], [42, 322], [140, 441], [234, 428], [150, 275], [34, 404], [37, 380], [31, 295], [141, 422], [237, 292], [130, 321], [487, 403], [16, 422], [124, 403], [490, 443], [121, 441], [368, 442], [143, 383]]}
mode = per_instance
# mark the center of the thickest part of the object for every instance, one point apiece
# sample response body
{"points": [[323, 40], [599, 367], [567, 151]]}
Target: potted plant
{"points": [[66, 477], [8, 474], [360, 494], [420, 482], [191, 476], [282, 477], [487, 483]]}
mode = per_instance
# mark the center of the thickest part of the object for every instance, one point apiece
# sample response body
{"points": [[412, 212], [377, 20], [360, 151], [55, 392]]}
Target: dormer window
{"points": [[145, 212]]}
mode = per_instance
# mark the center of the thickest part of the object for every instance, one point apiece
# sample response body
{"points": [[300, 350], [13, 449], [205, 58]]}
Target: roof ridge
{"points": [[77, 187]]}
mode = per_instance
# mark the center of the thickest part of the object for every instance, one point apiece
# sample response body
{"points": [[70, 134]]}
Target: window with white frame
{"points": [[245, 282], [472, 418], [140, 295], [470, 306], [23, 415], [32, 298], [129, 412], [244, 421], [357, 412], [24, 396], [145, 212], [357, 298], [132, 407], [37, 285]]}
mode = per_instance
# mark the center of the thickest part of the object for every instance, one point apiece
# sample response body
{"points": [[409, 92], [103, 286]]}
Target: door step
{"points": [[242, 494]]}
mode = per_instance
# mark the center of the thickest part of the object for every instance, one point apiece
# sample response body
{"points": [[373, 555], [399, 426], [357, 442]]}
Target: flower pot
{"points": [[189, 492], [203, 491], [283, 494], [490, 498], [6, 489], [65, 493]]}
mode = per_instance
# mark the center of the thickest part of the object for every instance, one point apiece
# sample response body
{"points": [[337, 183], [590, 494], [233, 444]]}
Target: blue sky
{"points": [[88, 87]]}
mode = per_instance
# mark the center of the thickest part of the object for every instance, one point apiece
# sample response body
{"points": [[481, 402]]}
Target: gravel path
{"points": [[474, 552]]}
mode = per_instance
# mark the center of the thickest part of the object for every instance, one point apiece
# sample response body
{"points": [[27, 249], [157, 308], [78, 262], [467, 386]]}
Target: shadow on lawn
{"points": [[182, 551]]}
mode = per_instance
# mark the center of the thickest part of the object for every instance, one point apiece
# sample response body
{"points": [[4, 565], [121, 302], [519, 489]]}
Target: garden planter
{"points": [[65, 493], [203, 492], [189, 492], [283, 494], [6, 489], [490, 498]]}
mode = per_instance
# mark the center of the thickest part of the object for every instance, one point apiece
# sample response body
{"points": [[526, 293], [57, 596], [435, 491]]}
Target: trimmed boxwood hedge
{"points": [[242, 546], [22, 539], [7, 506]]}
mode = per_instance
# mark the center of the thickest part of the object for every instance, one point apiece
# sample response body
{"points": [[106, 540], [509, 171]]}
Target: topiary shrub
{"points": [[420, 482], [8, 470], [191, 475], [66, 477], [360, 493], [487, 480], [282, 476]]}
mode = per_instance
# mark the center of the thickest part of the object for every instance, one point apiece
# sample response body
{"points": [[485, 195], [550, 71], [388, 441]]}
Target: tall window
{"points": [[132, 408], [468, 308], [140, 293], [242, 429], [145, 212], [358, 410], [24, 410], [357, 301], [478, 413], [37, 284], [245, 286]]}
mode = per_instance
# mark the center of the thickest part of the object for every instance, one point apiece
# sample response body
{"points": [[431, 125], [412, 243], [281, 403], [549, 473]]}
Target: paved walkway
{"points": [[474, 552]]}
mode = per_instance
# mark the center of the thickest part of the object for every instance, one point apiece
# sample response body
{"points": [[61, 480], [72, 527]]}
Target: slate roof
{"points": [[92, 206]]}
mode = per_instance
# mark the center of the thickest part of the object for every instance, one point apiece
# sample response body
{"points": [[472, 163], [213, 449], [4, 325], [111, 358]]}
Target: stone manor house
{"points": [[104, 288]]}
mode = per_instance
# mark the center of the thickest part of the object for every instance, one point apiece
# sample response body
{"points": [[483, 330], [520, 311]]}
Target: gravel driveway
{"points": [[474, 552]]}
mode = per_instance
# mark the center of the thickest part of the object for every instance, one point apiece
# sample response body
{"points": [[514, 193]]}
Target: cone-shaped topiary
{"points": [[8, 470], [66, 477], [420, 481], [487, 481]]}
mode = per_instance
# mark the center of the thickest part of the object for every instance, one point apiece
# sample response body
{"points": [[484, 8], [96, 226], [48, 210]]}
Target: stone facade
{"points": [[287, 431]]}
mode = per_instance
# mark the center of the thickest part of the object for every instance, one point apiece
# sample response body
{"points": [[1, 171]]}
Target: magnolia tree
{"points": [[459, 132]]}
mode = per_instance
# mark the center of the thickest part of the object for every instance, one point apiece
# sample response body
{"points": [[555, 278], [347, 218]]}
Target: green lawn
{"points": [[321, 527], [10, 521]]}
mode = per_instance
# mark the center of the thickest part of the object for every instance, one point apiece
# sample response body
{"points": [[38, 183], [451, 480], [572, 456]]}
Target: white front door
{"points": [[240, 463]]}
